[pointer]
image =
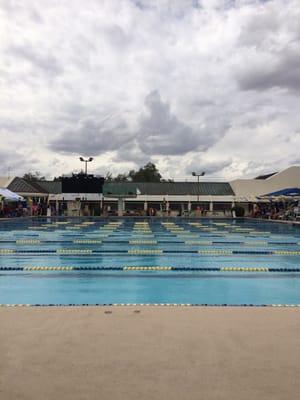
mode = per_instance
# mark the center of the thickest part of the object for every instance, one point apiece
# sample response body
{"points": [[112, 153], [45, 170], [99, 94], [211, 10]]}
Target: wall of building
{"points": [[289, 178], [174, 198], [5, 181]]}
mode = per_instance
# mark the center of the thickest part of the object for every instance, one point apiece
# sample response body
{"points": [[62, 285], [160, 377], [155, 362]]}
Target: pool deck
{"points": [[176, 353]]}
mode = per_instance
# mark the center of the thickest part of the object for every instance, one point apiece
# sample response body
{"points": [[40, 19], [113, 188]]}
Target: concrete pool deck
{"points": [[159, 353]]}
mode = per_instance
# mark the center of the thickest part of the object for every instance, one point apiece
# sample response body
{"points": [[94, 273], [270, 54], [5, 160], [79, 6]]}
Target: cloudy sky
{"points": [[208, 85]]}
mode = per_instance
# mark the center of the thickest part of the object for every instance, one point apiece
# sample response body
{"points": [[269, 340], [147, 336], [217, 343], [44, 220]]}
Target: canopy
{"points": [[9, 195], [291, 192]]}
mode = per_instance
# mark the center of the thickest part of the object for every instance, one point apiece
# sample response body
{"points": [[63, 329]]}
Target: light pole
{"points": [[198, 176], [86, 161]]}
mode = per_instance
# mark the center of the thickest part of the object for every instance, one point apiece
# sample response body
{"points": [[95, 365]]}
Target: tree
{"points": [[33, 176], [109, 177], [148, 173], [121, 178]]}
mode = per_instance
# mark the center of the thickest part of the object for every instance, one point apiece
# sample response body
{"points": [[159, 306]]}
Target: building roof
{"points": [[127, 189], [20, 185], [53, 187], [168, 188]]}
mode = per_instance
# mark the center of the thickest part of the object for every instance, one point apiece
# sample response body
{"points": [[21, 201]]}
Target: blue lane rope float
{"points": [[253, 252], [48, 269], [147, 268], [143, 241], [149, 305], [254, 243], [136, 242], [245, 269], [152, 268], [87, 241], [204, 252]]}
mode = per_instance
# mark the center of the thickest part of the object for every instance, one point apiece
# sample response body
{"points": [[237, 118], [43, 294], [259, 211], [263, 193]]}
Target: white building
{"points": [[213, 198], [263, 185]]}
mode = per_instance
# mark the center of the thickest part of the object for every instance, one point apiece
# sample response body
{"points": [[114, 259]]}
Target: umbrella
{"points": [[8, 195]]}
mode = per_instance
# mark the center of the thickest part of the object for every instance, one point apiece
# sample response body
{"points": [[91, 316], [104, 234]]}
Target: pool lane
{"points": [[118, 287], [143, 252]]}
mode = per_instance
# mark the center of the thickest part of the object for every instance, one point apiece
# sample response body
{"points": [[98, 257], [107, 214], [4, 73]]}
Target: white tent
{"points": [[9, 195]]}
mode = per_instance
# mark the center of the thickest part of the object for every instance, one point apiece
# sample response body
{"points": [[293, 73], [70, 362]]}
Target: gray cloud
{"points": [[162, 133], [255, 168], [209, 167], [270, 48], [92, 136], [39, 59], [63, 69], [260, 27], [158, 132], [131, 152], [283, 72], [15, 163]]}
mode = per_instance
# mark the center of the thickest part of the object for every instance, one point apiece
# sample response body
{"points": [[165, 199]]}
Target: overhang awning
{"points": [[290, 192], [75, 196], [245, 199], [8, 195]]}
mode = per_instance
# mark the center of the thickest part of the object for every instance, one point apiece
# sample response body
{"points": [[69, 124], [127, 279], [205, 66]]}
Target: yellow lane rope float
{"points": [[144, 251], [28, 241], [215, 252], [286, 253]]}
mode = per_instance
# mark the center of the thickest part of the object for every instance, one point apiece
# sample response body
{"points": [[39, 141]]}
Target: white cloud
{"points": [[137, 80]]}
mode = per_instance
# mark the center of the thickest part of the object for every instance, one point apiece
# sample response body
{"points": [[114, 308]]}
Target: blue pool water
{"points": [[108, 261]]}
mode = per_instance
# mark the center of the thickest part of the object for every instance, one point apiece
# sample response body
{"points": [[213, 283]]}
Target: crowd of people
{"points": [[22, 209], [278, 210], [273, 210]]}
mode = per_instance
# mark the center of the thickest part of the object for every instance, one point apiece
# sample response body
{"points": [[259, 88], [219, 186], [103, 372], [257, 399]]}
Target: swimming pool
{"points": [[149, 261]]}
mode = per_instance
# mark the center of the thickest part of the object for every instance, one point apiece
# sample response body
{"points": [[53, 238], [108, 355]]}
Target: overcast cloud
{"points": [[190, 85]]}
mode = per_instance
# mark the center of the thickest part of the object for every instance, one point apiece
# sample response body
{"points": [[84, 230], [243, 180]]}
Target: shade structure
{"points": [[290, 192], [8, 195]]}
